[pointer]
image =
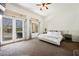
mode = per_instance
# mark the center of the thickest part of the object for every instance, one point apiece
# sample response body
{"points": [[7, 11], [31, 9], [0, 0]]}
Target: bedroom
{"points": [[26, 22]]}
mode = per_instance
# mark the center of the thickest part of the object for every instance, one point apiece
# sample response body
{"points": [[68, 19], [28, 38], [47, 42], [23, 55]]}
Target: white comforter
{"points": [[54, 38]]}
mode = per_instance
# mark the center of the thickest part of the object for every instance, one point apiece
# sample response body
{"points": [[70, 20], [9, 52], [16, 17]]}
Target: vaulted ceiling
{"points": [[53, 8], [36, 9]]}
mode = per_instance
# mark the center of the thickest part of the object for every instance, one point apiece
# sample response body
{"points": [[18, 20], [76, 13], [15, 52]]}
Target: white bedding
{"points": [[54, 37]]}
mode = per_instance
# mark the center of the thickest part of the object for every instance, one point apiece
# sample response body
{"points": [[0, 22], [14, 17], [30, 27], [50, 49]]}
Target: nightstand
{"points": [[44, 32], [68, 36]]}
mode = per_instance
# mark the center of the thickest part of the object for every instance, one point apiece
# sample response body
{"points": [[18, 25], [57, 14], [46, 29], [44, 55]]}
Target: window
{"points": [[34, 28], [7, 29]]}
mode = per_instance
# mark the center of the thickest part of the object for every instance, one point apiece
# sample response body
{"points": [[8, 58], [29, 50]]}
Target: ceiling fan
{"points": [[43, 5]]}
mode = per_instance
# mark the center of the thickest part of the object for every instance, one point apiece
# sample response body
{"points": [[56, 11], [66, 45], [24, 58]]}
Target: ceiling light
{"points": [[43, 5]]}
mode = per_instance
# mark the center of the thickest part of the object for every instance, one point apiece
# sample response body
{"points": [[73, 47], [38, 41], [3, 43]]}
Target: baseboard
{"points": [[12, 42]]}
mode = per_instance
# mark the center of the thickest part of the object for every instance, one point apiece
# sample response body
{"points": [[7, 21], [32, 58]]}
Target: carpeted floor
{"points": [[35, 47]]}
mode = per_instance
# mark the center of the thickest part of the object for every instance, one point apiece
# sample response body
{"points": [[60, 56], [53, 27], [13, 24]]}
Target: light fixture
{"points": [[43, 5]]}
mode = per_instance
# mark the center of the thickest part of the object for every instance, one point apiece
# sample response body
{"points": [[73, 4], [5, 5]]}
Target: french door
{"points": [[19, 29], [12, 29], [7, 28]]}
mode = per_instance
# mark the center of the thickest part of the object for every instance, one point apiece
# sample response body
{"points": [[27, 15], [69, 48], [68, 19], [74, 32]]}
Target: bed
{"points": [[52, 37]]}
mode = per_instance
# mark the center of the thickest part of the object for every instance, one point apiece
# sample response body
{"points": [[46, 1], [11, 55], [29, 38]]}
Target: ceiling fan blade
{"points": [[46, 7], [38, 4], [48, 3]]}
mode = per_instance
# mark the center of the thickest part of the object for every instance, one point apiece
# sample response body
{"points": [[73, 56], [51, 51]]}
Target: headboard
{"points": [[62, 31], [54, 31]]}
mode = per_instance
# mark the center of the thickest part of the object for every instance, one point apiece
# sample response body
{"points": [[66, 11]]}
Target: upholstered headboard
{"points": [[62, 32]]}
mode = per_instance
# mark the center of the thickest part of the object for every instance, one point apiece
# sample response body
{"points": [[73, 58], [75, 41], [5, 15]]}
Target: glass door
{"points": [[19, 29], [7, 29]]}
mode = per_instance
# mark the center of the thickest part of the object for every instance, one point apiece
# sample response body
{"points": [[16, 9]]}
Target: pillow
{"points": [[54, 34], [49, 33]]}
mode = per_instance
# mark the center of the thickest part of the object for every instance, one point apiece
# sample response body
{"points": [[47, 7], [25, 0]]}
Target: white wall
{"points": [[64, 17], [2, 9], [0, 28]]}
